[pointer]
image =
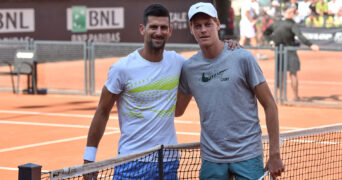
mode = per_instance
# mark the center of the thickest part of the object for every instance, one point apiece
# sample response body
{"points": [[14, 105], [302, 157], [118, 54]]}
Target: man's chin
{"points": [[158, 45], [203, 43]]}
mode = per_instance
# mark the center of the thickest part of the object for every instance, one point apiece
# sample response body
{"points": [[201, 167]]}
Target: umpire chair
{"points": [[24, 64]]}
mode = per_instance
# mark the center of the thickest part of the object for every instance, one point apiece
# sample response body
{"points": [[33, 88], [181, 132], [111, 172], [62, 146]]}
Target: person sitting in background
{"points": [[314, 21], [333, 7], [338, 18], [312, 7], [303, 11], [322, 8]]}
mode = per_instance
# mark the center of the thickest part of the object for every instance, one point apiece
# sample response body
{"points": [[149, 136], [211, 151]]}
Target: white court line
{"points": [[313, 82], [72, 139], [52, 114], [50, 124], [188, 133], [284, 127], [111, 117], [16, 169], [10, 169], [76, 115], [51, 142]]}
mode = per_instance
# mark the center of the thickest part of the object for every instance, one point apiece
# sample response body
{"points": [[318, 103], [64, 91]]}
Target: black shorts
{"points": [[293, 64]]}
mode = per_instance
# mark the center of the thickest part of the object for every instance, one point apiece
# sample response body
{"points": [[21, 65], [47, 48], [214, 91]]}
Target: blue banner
{"points": [[324, 37]]}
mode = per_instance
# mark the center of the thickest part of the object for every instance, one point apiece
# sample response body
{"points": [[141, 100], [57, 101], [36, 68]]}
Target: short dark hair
{"points": [[155, 10], [287, 6]]}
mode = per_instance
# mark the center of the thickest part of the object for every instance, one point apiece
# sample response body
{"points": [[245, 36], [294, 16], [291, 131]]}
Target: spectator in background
{"points": [[338, 18], [274, 10], [312, 7], [230, 19], [322, 8], [284, 32], [303, 11], [294, 3], [249, 15], [333, 7], [316, 19]]}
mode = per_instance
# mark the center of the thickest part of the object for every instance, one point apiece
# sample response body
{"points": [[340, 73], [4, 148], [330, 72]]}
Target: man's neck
{"points": [[152, 55], [213, 50]]}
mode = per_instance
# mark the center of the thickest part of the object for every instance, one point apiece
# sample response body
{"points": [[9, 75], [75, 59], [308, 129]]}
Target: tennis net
{"points": [[307, 154]]}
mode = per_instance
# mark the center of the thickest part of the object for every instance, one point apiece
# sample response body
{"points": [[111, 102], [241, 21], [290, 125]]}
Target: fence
{"points": [[7, 54], [81, 68], [319, 78]]}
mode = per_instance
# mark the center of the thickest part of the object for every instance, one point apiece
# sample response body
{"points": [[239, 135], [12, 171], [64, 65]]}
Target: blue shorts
{"points": [[251, 169], [145, 170]]}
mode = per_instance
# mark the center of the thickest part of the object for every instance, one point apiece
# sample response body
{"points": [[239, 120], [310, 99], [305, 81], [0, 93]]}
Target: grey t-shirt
{"points": [[223, 90]]}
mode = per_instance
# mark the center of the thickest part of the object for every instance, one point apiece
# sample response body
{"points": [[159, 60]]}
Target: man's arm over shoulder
{"points": [[182, 102], [100, 118], [265, 98]]}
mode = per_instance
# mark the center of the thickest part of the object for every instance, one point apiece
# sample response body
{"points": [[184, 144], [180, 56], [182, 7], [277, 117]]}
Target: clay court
{"points": [[51, 130]]}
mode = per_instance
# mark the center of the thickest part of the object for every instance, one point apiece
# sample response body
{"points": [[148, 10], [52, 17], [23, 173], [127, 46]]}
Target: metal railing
{"points": [[86, 58]]}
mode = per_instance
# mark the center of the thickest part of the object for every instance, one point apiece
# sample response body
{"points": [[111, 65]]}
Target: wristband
{"points": [[90, 153]]}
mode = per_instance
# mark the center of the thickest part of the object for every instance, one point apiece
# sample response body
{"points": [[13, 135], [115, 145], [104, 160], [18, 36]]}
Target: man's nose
{"points": [[203, 29], [159, 31]]}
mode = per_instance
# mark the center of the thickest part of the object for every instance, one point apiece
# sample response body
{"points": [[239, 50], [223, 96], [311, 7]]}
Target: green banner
{"points": [[79, 14]]}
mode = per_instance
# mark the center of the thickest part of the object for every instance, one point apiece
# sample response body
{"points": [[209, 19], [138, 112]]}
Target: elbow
{"points": [[180, 109], [179, 113]]}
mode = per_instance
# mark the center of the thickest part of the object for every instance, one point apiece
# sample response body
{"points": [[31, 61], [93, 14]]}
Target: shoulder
{"points": [[241, 53], [174, 56], [125, 62], [241, 57], [193, 59]]}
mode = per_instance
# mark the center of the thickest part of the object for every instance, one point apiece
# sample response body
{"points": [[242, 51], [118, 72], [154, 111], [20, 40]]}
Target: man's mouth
{"points": [[158, 39], [204, 37]]}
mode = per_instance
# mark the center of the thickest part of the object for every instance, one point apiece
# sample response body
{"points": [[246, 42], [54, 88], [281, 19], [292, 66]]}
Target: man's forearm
{"points": [[272, 123], [97, 129]]}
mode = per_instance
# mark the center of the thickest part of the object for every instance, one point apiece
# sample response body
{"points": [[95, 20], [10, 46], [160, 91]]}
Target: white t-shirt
{"points": [[251, 7], [148, 93], [334, 6]]}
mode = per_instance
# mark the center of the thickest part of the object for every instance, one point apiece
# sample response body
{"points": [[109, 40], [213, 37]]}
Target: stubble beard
{"points": [[156, 46]]}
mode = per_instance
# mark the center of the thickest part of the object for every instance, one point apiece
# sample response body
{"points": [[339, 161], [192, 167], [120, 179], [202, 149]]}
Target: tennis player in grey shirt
{"points": [[226, 86]]}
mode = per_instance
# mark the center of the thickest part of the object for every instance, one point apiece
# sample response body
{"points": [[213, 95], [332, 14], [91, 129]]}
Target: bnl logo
{"points": [[84, 19]]}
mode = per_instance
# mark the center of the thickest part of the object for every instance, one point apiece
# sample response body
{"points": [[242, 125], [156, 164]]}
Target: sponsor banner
{"points": [[17, 20], [82, 19], [324, 37], [99, 21]]}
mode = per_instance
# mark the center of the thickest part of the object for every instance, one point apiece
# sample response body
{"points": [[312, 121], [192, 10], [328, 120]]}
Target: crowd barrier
{"points": [[66, 67]]}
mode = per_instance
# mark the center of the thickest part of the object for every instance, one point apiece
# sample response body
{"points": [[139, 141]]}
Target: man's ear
{"points": [[142, 29], [218, 24], [170, 30], [190, 28]]}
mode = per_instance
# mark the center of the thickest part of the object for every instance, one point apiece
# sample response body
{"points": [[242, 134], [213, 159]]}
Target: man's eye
{"points": [[153, 27]]}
